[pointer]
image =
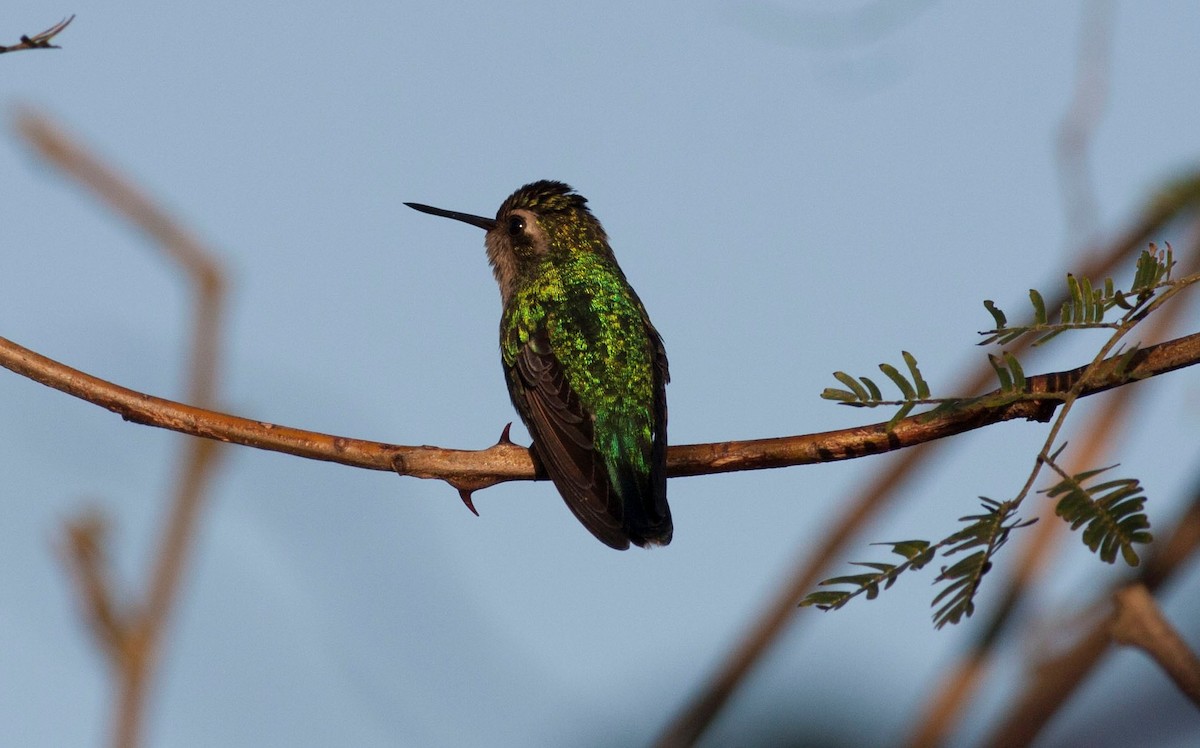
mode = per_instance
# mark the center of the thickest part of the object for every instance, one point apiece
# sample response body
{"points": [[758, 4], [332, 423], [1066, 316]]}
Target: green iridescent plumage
{"points": [[585, 367]]}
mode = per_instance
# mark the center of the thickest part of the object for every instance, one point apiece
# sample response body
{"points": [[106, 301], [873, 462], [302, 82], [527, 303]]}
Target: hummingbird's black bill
{"points": [[487, 224]]}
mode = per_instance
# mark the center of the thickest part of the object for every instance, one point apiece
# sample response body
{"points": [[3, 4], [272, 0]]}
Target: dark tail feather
{"points": [[647, 515]]}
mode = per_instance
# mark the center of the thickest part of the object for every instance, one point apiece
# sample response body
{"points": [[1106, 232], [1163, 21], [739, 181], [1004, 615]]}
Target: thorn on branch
{"points": [[466, 489], [468, 486], [465, 495]]}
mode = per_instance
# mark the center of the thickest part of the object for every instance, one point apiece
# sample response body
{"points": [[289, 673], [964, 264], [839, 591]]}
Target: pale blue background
{"points": [[793, 188]]}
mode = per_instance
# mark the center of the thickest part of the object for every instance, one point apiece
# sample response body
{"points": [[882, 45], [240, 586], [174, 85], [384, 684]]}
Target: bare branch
{"points": [[505, 462], [40, 40]]}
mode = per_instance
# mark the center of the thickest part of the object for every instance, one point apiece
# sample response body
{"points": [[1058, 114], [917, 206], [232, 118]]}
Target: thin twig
{"points": [[40, 40], [84, 555]]}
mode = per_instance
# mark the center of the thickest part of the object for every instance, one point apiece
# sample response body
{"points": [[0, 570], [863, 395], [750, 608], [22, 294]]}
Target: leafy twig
{"points": [[986, 532], [765, 627], [1086, 305], [1111, 511]]}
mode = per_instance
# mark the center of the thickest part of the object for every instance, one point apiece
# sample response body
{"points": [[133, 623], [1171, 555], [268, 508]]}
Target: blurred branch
{"points": [[84, 555], [42, 40], [1139, 622], [1179, 197], [131, 635], [1079, 124], [1095, 438], [958, 681]]}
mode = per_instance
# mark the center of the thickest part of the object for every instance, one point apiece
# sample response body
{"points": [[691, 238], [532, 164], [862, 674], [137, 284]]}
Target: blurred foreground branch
{"points": [[130, 632], [1054, 680], [1093, 440], [1178, 198], [1139, 622]]}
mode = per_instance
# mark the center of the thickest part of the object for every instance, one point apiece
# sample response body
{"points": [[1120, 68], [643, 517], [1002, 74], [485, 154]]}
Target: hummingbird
{"points": [[585, 368]]}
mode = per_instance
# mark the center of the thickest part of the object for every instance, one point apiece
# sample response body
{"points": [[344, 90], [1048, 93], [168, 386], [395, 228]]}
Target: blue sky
{"points": [[792, 187]]}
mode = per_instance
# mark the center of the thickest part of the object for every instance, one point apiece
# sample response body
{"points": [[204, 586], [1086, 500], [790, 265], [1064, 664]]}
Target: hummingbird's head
{"points": [[537, 222]]}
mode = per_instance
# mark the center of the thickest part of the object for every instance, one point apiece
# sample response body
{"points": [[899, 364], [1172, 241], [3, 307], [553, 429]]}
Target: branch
{"points": [[469, 470], [41, 40]]}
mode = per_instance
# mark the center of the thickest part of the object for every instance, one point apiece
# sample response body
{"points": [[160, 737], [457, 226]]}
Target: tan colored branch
{"points": [[505, 462]]}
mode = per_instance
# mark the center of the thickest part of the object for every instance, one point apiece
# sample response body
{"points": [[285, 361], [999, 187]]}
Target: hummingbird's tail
{"points": [[647, 515]]}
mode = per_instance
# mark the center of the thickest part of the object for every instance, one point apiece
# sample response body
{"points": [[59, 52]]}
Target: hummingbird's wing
{"points": [[562, 433]]}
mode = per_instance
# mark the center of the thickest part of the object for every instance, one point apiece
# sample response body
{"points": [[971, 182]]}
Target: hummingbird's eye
{"points": [[516, 226]]}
